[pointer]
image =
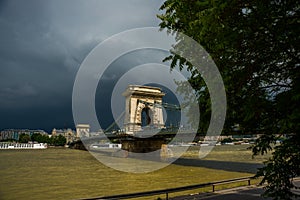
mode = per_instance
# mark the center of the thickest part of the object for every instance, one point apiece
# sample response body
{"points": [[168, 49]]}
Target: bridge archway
{"points": [[146, 116], [142, 101]]}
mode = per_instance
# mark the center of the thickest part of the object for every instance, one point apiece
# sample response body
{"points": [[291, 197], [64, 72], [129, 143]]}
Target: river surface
{"points": [[59, 173]]}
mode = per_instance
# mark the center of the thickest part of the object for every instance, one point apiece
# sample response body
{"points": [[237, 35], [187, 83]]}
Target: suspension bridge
{"points": [[141, 127]]}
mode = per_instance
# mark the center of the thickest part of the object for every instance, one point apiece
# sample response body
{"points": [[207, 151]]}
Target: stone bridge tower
{"points": [[143, 108]]}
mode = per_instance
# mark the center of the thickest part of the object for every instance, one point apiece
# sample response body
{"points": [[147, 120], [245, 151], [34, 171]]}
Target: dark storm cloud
{"points": [[42, 44]]}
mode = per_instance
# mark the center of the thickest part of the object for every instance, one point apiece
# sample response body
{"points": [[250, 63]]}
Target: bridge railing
{"points": [[172, 190]]}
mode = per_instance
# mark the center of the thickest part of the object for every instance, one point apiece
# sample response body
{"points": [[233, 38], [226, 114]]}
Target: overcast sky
{"points": [[42, 44]]}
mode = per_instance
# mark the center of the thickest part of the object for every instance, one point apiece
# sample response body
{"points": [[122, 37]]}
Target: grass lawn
{"points": [[234, 153], [73, 174]]}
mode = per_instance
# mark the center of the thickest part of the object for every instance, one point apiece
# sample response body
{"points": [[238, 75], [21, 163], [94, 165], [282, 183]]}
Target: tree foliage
{"points": [[255, 45], [24, 138], [281, 168], [37, 137], [58, 140]]}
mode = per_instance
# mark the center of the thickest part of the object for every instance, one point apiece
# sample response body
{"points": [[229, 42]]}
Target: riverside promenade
{"points": [[245, 193]]}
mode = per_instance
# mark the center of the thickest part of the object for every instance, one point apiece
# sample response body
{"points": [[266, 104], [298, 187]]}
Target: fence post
{"points": [[167, 196], [249, 182]]}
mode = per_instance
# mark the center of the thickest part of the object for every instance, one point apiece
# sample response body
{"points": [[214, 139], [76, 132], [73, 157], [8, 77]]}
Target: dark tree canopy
{"points": [[255, 45], [24, 138], [37, 137]]}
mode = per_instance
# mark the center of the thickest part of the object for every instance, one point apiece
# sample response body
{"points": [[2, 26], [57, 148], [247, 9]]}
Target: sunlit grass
{"points": [[73, 174], [234, 153]]}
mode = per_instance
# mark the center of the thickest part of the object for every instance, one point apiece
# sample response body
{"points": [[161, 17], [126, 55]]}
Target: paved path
{"points": [[244, 193], [241, 193]]}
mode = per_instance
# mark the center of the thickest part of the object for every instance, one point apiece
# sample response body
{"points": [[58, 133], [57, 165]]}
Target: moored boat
{"points": [[23, 145]]}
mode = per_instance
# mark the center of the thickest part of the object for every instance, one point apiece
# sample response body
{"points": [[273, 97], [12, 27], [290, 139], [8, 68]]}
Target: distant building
{"points": [[13, 134], [82, 130], [69, 134]]}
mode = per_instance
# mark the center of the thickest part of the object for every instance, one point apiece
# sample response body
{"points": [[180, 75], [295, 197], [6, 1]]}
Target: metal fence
{"points": [[172, 190]]}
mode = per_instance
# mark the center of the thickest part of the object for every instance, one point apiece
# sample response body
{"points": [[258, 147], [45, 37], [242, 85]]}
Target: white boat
{"points": [[106, 146], [23, 146]]}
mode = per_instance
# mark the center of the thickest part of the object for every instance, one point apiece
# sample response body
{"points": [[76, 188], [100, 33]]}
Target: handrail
{"points": [[169, 190]]}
